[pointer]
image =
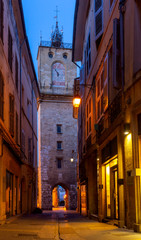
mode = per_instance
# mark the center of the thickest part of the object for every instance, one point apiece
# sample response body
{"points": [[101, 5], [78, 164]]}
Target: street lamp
{"points": [[77, 98]]}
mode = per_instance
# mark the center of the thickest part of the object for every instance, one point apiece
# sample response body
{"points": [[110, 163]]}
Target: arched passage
{"points": [[60, 196]]}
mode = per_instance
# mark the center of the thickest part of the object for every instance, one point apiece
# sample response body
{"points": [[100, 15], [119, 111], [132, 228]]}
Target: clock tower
{"points": [[57, 127]]}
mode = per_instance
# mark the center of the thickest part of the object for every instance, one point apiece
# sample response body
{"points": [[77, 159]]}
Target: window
{"points": [[16, 73], [1, 19], [88, 117], [98, 16], [59, 128], [59, 145], [23, 141], [17, 126], [116, 54], [28, 109], [50, 54], [29, 150], [59, 162], [88, 54], [11, 114], [1, 95], [10, 49], [102, 89]]}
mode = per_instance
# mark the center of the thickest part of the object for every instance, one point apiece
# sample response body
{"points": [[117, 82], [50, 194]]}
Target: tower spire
{"points": [[57, 36]]}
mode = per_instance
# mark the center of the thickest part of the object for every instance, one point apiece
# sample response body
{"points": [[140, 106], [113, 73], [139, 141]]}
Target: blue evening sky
{"points": [[39, 19]]}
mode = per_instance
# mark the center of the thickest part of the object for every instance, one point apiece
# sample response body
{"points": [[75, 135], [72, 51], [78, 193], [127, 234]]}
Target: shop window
{"points": [[11, 114], [1, 19], [10, 49], [102, 90], [1, 96]]}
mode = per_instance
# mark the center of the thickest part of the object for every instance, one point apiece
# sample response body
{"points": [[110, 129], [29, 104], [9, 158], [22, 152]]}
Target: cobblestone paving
{"points": [[61, 225]]}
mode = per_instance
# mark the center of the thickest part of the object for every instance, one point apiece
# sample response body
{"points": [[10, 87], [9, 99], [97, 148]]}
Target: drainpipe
{"points": [[122, 11]]}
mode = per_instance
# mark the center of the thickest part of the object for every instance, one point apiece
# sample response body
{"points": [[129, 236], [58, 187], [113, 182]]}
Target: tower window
{"points": [[59, 145], [65, 56], [59, 162], [50, 54], [59, 128]]}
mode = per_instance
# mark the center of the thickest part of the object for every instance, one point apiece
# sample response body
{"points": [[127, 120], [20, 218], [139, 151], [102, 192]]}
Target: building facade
{"points": [[18, 107], [109, 117], [57, 128]]}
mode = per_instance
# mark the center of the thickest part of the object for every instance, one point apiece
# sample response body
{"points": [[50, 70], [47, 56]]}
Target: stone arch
{"points": [[55, 197]]}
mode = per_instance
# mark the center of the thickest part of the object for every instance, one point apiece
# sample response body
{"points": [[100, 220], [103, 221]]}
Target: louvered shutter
{"points": [[82, 79], [116, 54], [105, 84], [98, 11]]}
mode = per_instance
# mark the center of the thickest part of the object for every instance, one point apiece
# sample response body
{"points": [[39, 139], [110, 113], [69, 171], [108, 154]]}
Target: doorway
{"points": [[59, 198], [112, 189]]}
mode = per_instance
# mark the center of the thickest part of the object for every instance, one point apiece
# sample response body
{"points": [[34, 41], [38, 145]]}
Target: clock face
{"points": [[58, 74]]}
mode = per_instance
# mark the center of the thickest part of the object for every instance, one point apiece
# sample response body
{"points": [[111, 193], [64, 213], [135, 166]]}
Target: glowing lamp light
{"points": [[76, 101], [71, 159], [126, 128]]}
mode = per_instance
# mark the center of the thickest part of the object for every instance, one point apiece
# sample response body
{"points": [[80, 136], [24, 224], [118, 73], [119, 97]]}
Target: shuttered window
{"points": [[139, 124], [88, 117], [29, 150], [1, 19], [88, 54], [102, 89], [17, 128], [10, 49], [116, 54], [98, 16], [11, 114], [1, 95], [16, 73]]}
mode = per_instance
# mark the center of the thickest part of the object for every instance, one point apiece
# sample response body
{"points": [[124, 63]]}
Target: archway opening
{"points": [[59, 198]]}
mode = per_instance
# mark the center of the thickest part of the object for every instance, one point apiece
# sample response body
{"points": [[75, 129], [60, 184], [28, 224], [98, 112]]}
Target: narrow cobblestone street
{"points": [[62, 225]]}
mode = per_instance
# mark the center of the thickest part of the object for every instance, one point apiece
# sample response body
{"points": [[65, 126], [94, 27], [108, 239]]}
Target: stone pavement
{"points": [[62, 225]]}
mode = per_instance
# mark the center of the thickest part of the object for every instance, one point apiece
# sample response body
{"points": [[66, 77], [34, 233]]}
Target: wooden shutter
{"points": [[10, 49], [98, 16], [16, 73], [11, 114], [17, 128], [116, 54], [105, 84], [139, 124], [1, 96], [1, 19]]}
